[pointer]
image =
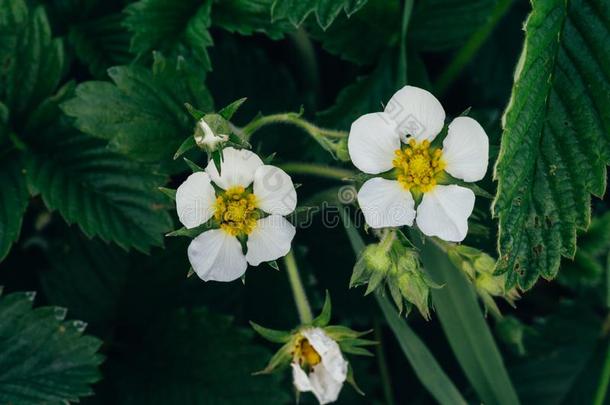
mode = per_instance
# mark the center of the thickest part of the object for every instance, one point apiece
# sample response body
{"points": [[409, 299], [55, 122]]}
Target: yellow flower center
{"points": [[418, 166], [236, 211], [305, 354]]}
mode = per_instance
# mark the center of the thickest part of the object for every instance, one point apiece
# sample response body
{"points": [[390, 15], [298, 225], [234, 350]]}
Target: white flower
{"points": [[249, 208], [206, 138], [326, 368], [397, 141]]}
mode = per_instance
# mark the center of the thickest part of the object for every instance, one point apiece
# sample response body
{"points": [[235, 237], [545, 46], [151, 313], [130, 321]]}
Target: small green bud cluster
{"points": [[394, 265], [479, 267]]}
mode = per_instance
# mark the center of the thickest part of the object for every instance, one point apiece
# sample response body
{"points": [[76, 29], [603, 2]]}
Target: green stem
{"points": [[402, 62], [470, 48], [604, 380], [293, 119], [298, 291], [384, 372], [317, 170]]}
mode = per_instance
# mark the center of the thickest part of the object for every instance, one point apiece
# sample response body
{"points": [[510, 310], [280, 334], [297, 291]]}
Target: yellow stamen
{"points": [[236, 211], [418, 166], [305, 354]]}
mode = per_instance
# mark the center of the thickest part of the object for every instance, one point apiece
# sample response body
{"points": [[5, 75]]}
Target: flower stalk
{"points": [[292, 119], [298, 291]]}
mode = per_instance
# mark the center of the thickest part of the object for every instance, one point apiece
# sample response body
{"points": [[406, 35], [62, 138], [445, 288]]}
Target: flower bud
{"points": [[341, 150], [414, 289], [377, 259], [210, 132], [484, 263], [491, 284]]}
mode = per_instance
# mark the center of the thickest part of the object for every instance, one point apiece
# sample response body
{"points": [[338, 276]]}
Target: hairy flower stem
{"points": [[318, 170], [292, 119], [298, 291]]}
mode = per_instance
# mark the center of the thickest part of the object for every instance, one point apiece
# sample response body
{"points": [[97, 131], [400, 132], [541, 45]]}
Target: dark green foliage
{"points": [[98, 107], [555, 142], [325, 10], [176, 28], [101, 43], [13, 202], [142, 112], [193, 357], [43, 357]]}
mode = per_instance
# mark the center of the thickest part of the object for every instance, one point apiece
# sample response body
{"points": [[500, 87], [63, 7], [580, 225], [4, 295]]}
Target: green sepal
{"points": [[280, 359], [273, 264], [351, 380], [195, 113], [168, 192], [236, 140], [324, 318], [193, 166], [217, 157], [272, 335], [228, 111], [375, 281], [188, 144], [193, 232], [339, 332], [269, 159]]}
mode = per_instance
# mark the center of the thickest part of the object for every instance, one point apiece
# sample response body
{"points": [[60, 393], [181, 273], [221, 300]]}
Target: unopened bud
{"points": [[491, 284], [484, 263], [414, 289], [341, 150], [377, 259]]}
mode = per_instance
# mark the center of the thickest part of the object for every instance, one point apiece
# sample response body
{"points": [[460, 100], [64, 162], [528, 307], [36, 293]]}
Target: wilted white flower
{"points": [[398, 141], [318, 365], [206, 138], [248, 208]]}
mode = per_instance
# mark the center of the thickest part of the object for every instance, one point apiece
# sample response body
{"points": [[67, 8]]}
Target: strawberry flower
{"points": [[398, 145]]}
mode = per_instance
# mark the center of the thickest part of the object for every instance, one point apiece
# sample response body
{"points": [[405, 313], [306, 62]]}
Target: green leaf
{"points": [[13, 201], [32, 62], [101, 43], [378, 21], [43, 358], [421, 359], [104, 193], [247, 17], [171, 27], [465, 327], [555, 146], [325, 10], [439, 25], [142, 112], [192, 357], [324, 318]]}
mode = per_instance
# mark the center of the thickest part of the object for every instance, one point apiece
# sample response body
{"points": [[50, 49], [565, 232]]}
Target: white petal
{"points": [[195, 200], [329, 351], [274, 190], [237, 168], [417, 113], [372, 142], [300, 379], [444, 212], [216, 255], [385, 203], [466, 149], [324, 386], [269, 240]]}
